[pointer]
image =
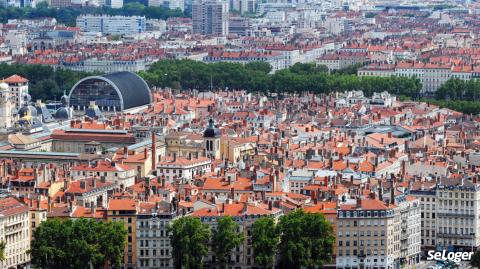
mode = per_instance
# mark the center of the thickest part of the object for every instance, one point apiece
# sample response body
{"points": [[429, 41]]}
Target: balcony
{"points": [[451, 235], [455, 214]]}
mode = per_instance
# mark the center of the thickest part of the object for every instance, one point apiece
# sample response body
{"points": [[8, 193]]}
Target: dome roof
{"points": [[211, 131], [131, 89], [27, 110], [62, 113]]}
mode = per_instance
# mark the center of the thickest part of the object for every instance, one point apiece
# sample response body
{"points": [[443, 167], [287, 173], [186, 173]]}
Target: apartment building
{"points": [[426, 193], [275, 59], [368, 235], [432, 76], [375, 233], [119, 174], [111, 25], [183, 168], [341, 60], [15, 232], [108, 65], [153, 241], [244, 214], [19, 87], [171, 4], [457, 214], [408, 208], [125, 211], [210, 17]]}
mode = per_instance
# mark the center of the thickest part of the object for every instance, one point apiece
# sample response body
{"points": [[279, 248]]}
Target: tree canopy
{"points": [[78, 244], [45, 82], [68, 15], [225, 238], [265, 240], [188, 74], [189, 238], [306, 240], [475, 261]]}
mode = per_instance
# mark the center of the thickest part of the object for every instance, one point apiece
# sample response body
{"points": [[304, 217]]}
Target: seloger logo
{"points": [[453, 256]]}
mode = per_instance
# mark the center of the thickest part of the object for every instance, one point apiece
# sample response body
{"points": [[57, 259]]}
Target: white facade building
{"points": [[15, 232], [113, 25], [183, 168]]}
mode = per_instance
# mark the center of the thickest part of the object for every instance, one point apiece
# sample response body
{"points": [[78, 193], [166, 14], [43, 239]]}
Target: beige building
{"points": [[368, 235], [125, 211], [183, 144], [119, 174], [80, 140], [244, 214], [457, 213], [19, 87], [373, 233], [235, 149], [15, 232], [38, 213]]}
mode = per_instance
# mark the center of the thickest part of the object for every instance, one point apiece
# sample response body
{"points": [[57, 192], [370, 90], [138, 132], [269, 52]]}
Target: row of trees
{"points": [[456, 89], [68, 15], [82, 243], [45, 82], [459, 95], [301, 240], [187, 74]]}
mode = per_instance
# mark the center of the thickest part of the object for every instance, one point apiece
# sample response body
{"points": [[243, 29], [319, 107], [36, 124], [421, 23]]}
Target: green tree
{"points": [[45, 82], [265, 240], [188, 74], [78, 244], [259, 66], [2, 250], [225, 238], [189, 238], [306, 240], [68, 15], [475, 261]]}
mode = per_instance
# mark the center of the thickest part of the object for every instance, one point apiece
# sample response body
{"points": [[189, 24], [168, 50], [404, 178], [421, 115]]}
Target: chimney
{"points": [[380, 192], [232, 193], [145, 154], [92, 209], [392, 195], [389, 134], [35, 174], [154, 151], [49, 202], [82, 184], [359, 202]]}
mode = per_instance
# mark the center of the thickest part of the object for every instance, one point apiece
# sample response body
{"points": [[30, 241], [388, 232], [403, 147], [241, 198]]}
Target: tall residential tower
{"points": [[210, 17]]}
